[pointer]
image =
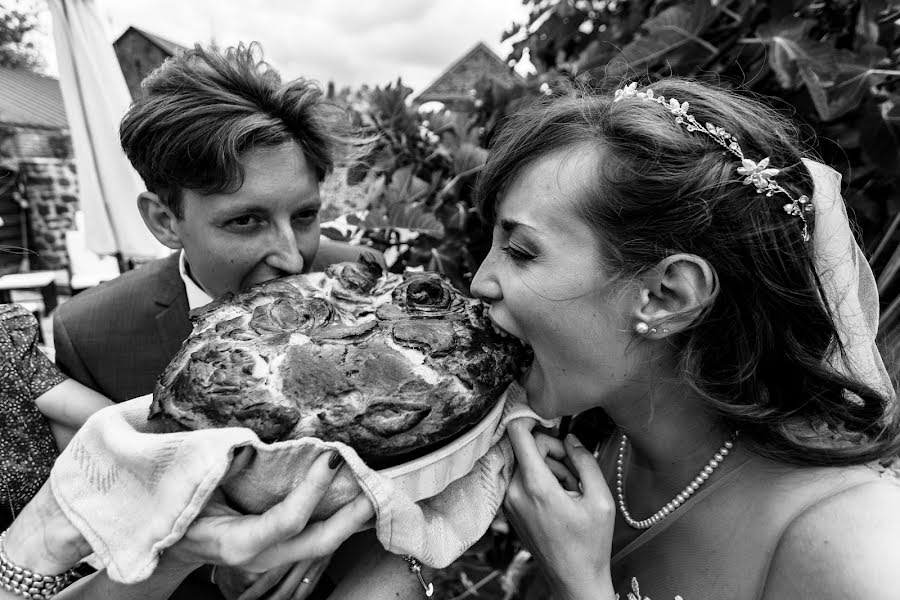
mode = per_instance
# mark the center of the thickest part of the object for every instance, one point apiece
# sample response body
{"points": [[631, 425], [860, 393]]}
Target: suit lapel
{"points": [[173, 325], [172, 322]]}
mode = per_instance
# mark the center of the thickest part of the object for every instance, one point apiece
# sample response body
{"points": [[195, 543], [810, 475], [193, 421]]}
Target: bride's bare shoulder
{"points": [[845, 546]]}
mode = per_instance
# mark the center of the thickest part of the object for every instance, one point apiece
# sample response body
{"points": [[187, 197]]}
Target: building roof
{"points": [[163, 44], [459, 78], [31, 99]]}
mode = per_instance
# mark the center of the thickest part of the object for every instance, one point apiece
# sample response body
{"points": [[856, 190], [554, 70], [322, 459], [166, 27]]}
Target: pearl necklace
{"points": [[678, 500]]}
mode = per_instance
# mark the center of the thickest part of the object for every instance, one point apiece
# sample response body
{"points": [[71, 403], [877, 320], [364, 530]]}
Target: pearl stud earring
{"points": [[641, 328]]}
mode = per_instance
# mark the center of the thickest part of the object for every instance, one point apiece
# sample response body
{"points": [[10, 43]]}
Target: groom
{"points": [[232, 160]]}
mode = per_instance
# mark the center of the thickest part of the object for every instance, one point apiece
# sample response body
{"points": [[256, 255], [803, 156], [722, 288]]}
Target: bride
{"points": [[680, 268]]}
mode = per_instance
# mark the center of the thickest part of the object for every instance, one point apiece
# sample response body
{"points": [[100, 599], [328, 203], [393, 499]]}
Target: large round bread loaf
{"points": [[392, 365]]}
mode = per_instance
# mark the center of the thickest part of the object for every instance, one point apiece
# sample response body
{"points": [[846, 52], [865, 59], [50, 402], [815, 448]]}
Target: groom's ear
{"points": [[674, 293], [161, 222]]}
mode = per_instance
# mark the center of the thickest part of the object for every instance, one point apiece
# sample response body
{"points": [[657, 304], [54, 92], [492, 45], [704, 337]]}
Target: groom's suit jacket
{"points": [[118, 337]]}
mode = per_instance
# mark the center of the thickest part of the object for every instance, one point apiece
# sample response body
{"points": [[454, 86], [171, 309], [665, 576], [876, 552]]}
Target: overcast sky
{"points": [[349, 42]]}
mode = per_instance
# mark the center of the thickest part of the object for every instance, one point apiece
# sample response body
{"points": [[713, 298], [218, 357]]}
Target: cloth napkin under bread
{"points": [[132, 492]]}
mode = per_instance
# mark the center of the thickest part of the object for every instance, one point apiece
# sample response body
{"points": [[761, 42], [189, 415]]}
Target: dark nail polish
{"points": [[335, 460]]}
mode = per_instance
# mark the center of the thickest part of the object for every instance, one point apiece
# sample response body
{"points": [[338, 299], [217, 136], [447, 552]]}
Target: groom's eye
{"points": [[243, 223]]}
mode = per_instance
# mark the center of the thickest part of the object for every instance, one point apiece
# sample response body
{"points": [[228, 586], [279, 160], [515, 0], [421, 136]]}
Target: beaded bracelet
{"points": [[26, 583]]}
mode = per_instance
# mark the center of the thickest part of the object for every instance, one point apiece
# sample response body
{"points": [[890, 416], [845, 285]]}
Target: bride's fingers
{"points": [[550, 446], [266, 582], [238, 540], [563, 474], [593, 483], [321, 538], [530, 459], [290, 516], [313, 574], [292, 582]]}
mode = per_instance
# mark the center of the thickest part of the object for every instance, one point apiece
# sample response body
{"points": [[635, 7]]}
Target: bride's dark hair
{"points": [[758, 355]]}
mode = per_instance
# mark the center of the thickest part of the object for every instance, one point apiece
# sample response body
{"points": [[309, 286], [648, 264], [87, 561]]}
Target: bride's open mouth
{"points": [[497, 328], [502, 331]]}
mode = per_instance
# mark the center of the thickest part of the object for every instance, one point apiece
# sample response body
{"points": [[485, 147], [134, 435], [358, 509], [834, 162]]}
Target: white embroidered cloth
{"points": [[133, 493]]}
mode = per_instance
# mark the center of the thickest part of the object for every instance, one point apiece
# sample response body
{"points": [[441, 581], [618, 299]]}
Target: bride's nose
{"points": [[485, 285]]}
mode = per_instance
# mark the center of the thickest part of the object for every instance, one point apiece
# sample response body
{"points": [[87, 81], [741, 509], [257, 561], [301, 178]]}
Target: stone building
{"points": [[38, 188], [32, 116], [139, 52], [38, 183], [456, 85]]}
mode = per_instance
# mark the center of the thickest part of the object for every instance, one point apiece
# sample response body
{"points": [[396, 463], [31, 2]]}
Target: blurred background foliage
{"points": [[832, 65], [417, 181], [16, 50]]}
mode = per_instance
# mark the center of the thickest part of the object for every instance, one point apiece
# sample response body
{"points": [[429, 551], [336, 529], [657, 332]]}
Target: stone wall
{"points": [[40, 142], [51, 189]]}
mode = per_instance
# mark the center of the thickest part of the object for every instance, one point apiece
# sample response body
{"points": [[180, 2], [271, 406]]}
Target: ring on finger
{"points": [[306, 580]]}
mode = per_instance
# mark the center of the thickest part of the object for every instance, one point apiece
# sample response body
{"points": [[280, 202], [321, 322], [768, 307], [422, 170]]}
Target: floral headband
{"points": [[757, 173]]}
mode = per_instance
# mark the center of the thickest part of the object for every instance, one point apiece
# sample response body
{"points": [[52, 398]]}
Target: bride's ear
{"points": [[674, 293]]}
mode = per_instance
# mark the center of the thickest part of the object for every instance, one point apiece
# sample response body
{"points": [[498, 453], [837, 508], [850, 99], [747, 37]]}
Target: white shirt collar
{"points": [[196, 297]]}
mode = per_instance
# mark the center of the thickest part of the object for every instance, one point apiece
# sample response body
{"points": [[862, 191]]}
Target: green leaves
{"points": [[836, 79], [15, 25], [673, 35], [413, 218], [399, 205], [879, 131]]}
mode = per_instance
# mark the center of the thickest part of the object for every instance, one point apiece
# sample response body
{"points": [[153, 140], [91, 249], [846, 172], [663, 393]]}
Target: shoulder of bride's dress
{"points": [[843, 546]]}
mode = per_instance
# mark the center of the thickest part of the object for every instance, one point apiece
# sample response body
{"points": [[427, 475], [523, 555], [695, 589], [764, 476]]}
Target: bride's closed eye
{"points": [[517, 254]]}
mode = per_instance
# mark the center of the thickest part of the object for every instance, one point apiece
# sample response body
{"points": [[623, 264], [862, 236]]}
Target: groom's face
{"points": [[268, 228]]}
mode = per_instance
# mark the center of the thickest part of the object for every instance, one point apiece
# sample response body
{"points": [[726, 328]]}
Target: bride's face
{"points": [[546, 283]]}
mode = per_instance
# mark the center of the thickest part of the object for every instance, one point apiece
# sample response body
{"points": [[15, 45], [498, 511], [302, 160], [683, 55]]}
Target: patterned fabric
{"points": [[27, 447]]}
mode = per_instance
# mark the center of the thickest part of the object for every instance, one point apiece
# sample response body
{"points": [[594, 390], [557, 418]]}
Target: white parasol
{"points": [[96, 98]]}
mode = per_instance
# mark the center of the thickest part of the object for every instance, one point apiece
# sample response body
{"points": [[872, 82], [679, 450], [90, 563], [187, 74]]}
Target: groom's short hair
{"points": [[201, 109]]}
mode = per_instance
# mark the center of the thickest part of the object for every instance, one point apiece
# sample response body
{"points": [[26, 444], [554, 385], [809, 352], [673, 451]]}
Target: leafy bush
{"points": [[418, 181], [831, 64]]}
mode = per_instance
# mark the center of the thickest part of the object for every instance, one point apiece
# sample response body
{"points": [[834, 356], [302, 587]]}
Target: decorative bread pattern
{"points": [[392, 365]]}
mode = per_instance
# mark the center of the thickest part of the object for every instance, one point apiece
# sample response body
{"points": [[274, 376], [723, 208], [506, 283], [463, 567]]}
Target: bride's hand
{"points": [[287, 582], [568, 531], [222, 536]]}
